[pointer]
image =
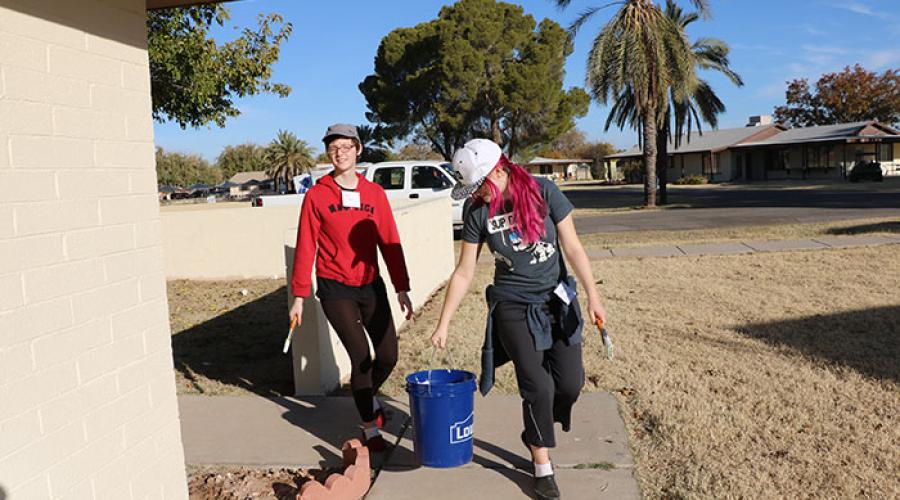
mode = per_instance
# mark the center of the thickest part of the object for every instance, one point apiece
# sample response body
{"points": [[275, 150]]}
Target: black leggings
{"points": [[348, 316], [549, 381]]}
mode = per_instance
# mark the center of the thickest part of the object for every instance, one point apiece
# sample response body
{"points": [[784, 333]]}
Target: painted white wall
{"points": [[87, 387]]}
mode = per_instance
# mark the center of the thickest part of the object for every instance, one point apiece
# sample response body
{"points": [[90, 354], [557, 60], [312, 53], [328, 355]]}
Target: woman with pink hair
{"points": [[533, 318]]}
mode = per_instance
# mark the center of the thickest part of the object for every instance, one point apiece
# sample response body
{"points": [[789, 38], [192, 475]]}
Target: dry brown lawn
{"points": [[773, 375], [868, 227], [752, 376]]}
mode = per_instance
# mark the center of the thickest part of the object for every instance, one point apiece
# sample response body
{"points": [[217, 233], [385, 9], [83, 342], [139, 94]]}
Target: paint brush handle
{"points": [[287, 340]]}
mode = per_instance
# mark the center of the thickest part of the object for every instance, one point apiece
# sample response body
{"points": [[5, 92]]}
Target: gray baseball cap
{"points": [[341, 130]]}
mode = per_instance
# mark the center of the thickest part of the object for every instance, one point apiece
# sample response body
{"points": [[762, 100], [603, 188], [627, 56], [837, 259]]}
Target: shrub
{"points": [[691, 179]]}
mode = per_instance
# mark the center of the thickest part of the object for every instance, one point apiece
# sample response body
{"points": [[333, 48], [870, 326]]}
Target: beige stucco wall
{"points": [[87, 388], [220, 242]]}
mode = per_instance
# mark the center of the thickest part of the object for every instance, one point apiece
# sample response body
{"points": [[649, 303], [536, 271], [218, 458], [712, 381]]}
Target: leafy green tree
{"points": [[574, 144], [181, 169], [286, 157], [482, 68], [247, 157], [417, 151], [597, 151], [643, 53], [194, 80], [849, 96]]}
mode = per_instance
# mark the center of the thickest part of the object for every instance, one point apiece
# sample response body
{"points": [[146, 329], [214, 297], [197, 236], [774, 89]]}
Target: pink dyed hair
{"points": [[527, 203]]}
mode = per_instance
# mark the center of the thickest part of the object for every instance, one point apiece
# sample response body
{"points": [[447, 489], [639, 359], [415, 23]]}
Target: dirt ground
{"points": [[242, 483], [771, 375]]}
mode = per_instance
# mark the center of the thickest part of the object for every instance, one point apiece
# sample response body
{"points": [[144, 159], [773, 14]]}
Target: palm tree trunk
{"points": [[649, 156], [662, 162]]}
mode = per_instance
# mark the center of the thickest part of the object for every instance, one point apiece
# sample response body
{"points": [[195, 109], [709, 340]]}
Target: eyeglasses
{"points": [[343, 149]]}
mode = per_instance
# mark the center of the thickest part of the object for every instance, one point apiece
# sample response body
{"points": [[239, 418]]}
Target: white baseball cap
{"points": [[474, 161]]}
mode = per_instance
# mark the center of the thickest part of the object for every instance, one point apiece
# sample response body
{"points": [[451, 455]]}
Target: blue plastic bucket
{"points": [[442, 406]]}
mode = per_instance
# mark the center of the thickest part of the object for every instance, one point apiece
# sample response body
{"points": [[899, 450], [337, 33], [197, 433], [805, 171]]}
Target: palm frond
{"points": [[586, 15]]}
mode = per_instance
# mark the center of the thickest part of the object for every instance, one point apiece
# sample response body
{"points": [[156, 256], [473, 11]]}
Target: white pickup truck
{"points": [[425, 179]]}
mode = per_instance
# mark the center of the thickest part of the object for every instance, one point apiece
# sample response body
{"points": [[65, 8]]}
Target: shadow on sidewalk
{"points": [[866, 340], [518, 474]]}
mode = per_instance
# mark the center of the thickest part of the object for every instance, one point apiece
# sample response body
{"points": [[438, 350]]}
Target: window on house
{"points": [[813, 158], [777, 160], [783, 160], [546, 169], [883, 152], [710, 164], [829, 156], [389, 177]]}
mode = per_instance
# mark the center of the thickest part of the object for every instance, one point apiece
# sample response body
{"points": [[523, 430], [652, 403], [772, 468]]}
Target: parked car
{"points": [[866, 171], [416, 179], [423, 180]]}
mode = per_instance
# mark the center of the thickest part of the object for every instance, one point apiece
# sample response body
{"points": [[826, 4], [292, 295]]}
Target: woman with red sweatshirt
{"points": [[344, 221]]}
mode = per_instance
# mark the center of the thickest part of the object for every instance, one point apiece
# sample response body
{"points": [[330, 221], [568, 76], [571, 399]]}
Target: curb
{"points": [[351, 485]]}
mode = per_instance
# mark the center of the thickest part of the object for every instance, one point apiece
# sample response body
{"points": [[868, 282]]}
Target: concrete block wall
{"points": [[87, 393]]}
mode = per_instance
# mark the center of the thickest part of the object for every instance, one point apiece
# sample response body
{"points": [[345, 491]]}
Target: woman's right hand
{"points": [[439, 338], [296, 310]]}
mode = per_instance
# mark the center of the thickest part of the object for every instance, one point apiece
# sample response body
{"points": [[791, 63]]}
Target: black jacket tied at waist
{"points": [[540, 326]]}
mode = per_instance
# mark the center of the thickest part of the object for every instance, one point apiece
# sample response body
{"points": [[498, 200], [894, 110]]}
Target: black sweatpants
{"points": [[348, 316], [549, 381]]}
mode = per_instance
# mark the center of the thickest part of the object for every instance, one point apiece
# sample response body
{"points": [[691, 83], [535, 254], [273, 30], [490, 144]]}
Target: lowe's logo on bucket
{"points": [[462, 430]]}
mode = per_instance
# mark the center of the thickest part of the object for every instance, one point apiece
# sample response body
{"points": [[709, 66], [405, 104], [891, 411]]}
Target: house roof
{"points": [[245, 177], [713, 140], [165, 4], [822, 133], [540, 160]]}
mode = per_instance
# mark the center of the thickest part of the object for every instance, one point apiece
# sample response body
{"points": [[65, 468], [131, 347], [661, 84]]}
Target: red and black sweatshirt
{"points": [[344, 241]]}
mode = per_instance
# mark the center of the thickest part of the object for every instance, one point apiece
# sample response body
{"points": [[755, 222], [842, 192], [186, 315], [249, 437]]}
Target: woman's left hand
{"points": [[405, 304], [595, 309]]}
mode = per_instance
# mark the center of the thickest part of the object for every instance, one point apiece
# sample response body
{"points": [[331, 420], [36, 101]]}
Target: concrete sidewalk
{"points": [[742, 247], [592, 462]]}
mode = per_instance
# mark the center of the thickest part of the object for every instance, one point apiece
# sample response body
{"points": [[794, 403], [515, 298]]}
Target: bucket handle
{"points": [[431, 364]]}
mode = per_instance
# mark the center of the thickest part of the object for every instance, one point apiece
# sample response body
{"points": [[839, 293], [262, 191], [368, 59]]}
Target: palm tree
{"points": [[642, 54], [703, 105], [375, 148], [287, 156]]}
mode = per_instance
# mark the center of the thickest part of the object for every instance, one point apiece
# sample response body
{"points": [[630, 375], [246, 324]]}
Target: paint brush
{"points": [[606, 340], [287, 341]]}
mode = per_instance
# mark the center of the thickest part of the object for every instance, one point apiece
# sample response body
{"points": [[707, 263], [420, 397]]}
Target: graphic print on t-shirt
{"points": [[540, 251]]}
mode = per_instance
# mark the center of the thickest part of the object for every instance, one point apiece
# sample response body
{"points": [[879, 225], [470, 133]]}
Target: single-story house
{"points": [[560, 168], [244, 184], [771, 151], [708, 154], [823, 152]]}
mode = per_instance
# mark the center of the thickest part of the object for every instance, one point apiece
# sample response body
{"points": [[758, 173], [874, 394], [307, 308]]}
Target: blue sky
{"points": [[334, 43]]}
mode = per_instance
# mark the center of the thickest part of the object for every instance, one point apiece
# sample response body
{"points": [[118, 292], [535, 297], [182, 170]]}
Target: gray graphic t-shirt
{"points": [[531, 268]]}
